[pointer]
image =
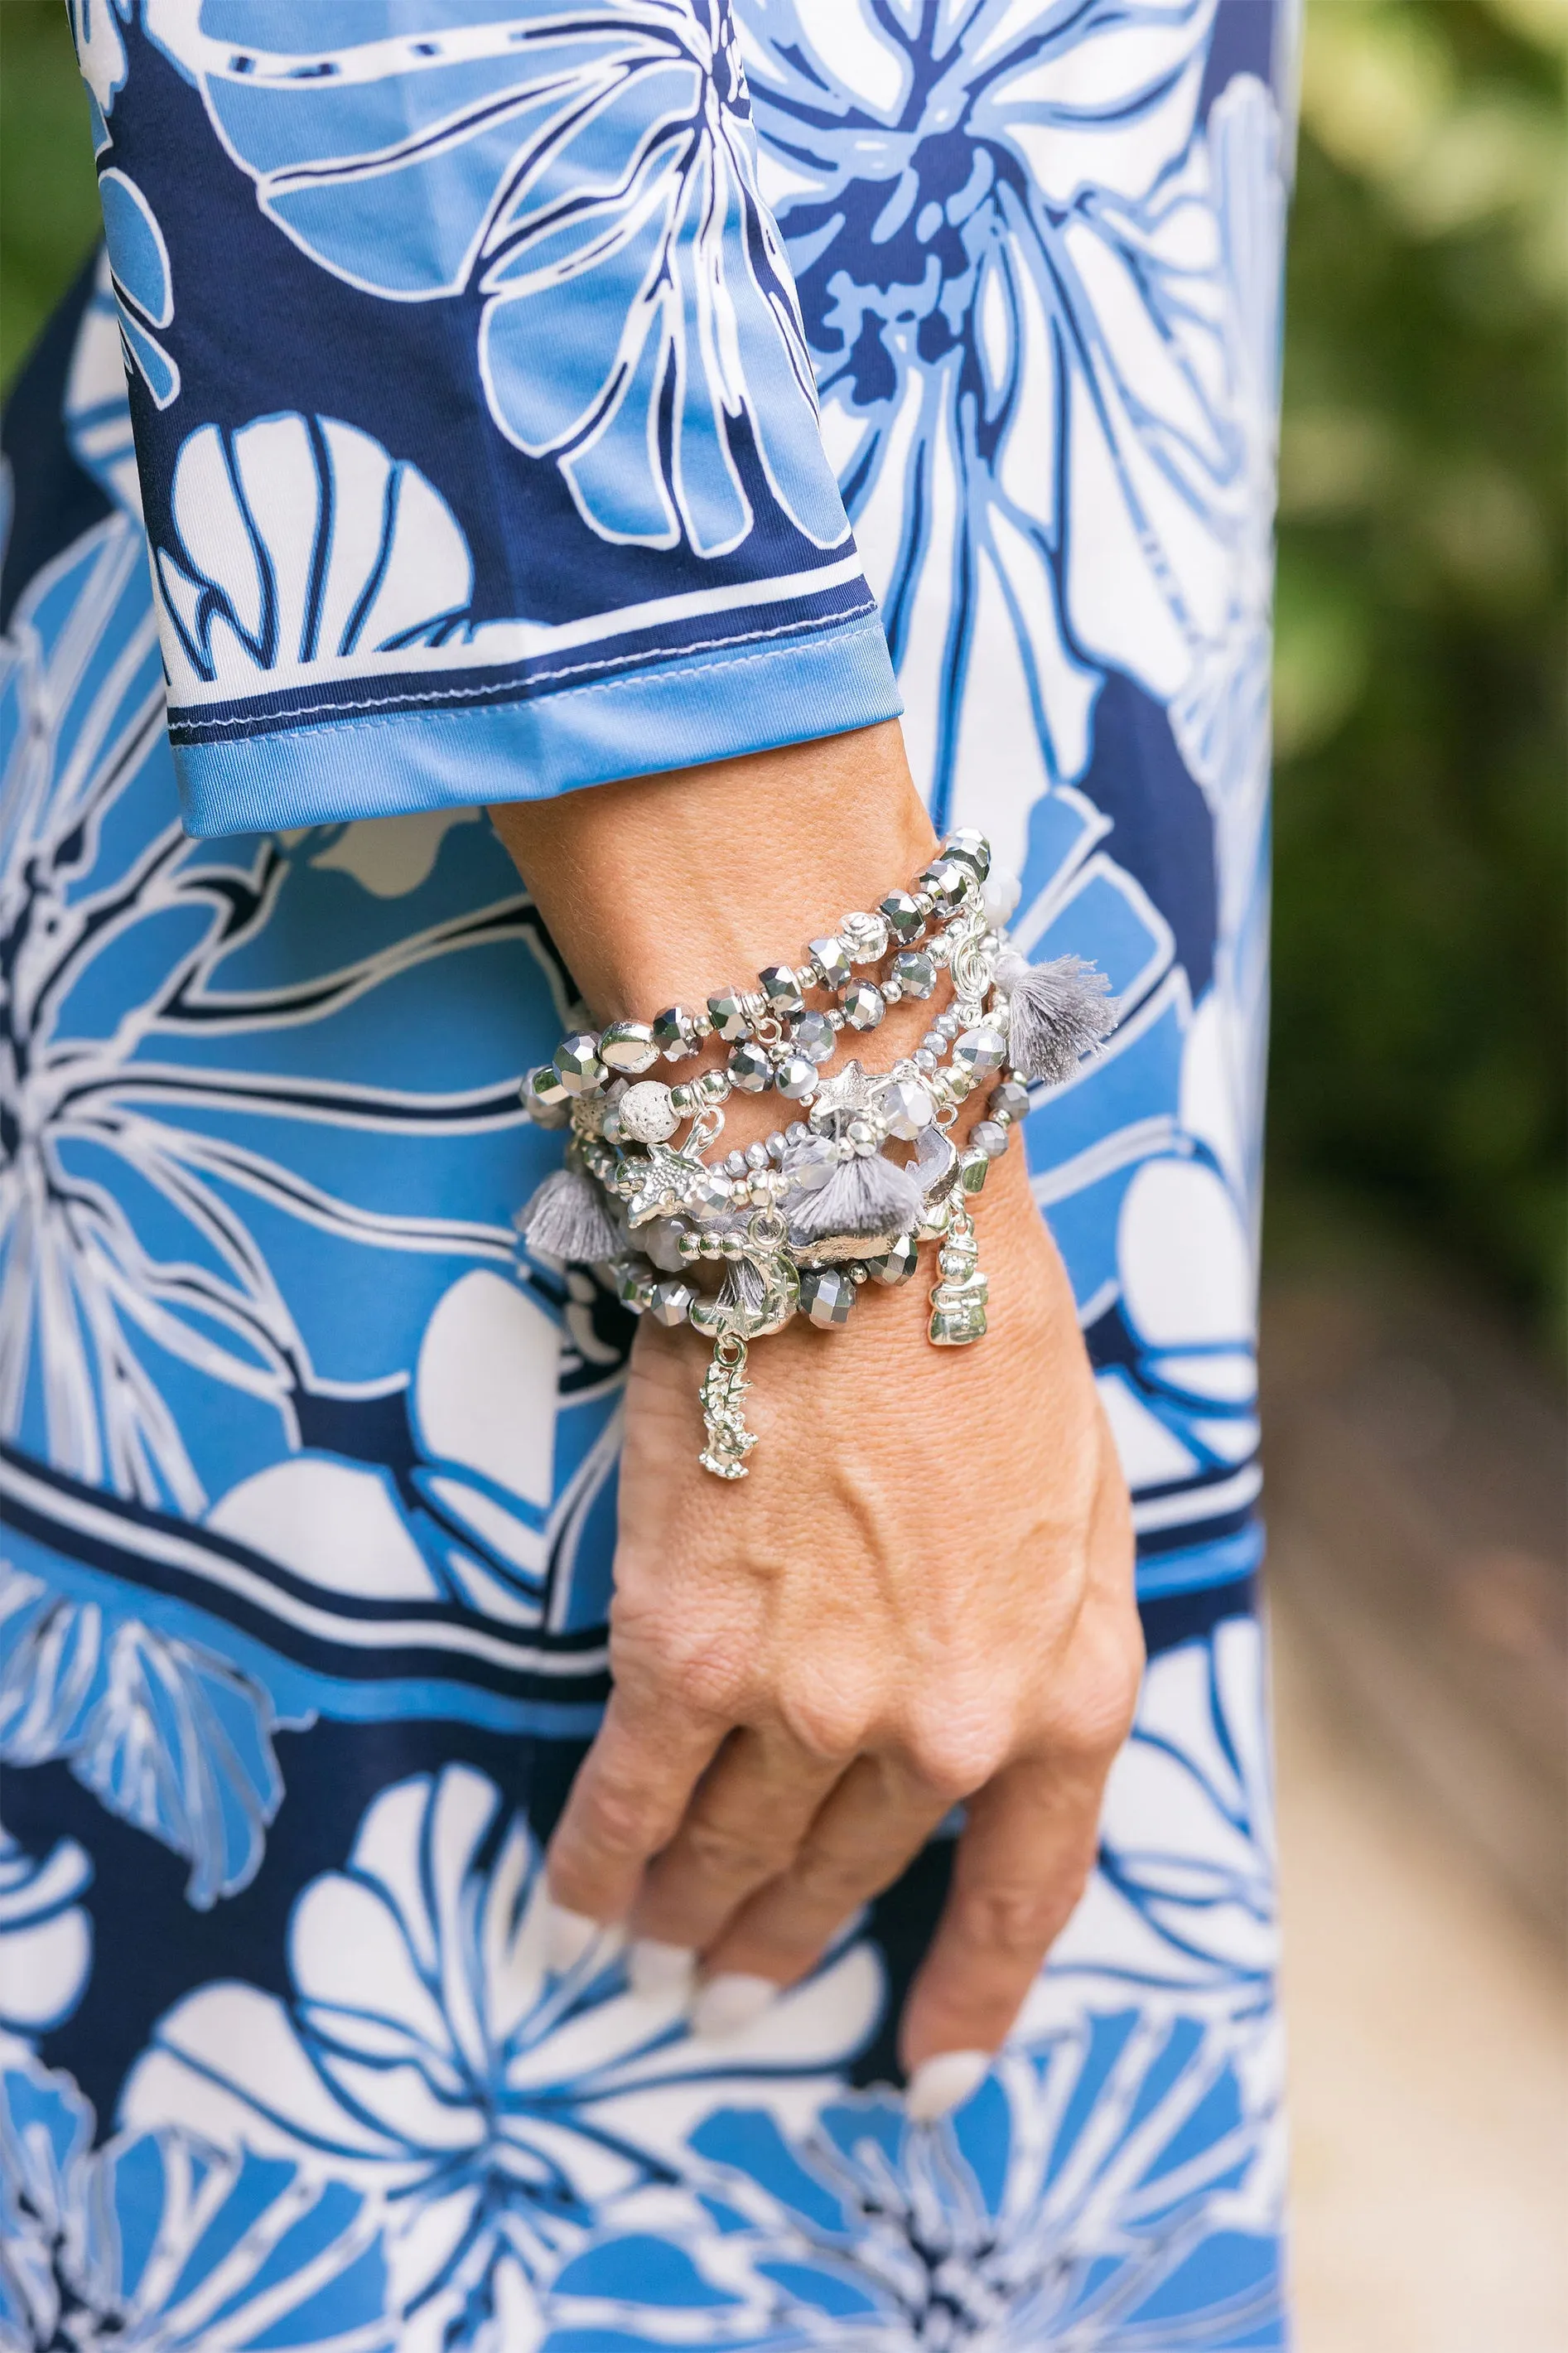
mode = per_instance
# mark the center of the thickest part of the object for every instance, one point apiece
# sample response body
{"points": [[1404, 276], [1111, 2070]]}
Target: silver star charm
{"points": [[850, 1091], [664, 1181]]}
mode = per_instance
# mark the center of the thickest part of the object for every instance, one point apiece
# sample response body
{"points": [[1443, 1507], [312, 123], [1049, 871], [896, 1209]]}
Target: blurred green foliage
{"points": [[1419, 866], [1419, 1011]]}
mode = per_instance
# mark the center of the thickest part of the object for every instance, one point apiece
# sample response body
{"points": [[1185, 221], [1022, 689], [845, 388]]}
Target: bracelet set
{"points": [[860, 1177]]}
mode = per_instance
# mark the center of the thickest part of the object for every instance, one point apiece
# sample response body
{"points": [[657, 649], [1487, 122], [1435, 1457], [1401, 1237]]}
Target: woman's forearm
{"points": [[662, 888]]}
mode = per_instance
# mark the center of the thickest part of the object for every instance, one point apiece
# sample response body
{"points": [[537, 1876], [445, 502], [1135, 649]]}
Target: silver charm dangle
{"points": [[958, 1300], [724, 1385]]}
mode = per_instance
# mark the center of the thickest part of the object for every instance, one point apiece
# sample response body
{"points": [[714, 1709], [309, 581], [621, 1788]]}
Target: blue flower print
{"points": [[166, 1735], [300, 542], [45, 1936], [1111, 2189], [533, 151], [174, 1080], [431, 2057], [139, 260], [158, 2243]]}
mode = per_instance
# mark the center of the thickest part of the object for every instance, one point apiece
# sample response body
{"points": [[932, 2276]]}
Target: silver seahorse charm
{"points": [[723, 1387]]}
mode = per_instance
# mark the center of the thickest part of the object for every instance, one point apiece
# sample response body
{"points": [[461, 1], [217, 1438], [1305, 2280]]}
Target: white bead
{"points": [[646, 1112], [1000, 894]]}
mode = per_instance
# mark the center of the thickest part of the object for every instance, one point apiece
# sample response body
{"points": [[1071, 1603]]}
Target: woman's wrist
{"points": [[662, 888]]}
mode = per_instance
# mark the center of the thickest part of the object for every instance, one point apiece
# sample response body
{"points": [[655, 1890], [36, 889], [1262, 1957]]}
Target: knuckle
{"points": [[619, 1822], [830, 1721], [955, 1751], [1015, 1923], [707, 1675], [832, 1883], [734, 1856]]}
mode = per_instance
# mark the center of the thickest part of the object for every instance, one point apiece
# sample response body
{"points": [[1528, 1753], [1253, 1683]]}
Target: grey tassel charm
{"points": [[866, 1200], [1057, 1013], [567, 1218]]}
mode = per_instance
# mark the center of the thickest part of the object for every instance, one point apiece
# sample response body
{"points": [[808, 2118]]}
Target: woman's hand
{"points": [[921, 1594]]}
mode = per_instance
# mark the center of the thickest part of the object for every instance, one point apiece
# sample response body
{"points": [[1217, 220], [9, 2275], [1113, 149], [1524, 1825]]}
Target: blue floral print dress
{"points": [[489, 396]]}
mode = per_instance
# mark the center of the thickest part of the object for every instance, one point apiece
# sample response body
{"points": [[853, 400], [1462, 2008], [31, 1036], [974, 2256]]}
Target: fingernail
{"points": [[654, 1968], [940, 2085], [567, 1936], [730, 2002]]}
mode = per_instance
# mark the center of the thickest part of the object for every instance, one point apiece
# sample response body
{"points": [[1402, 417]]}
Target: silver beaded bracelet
{"points": [[801, 1221]]}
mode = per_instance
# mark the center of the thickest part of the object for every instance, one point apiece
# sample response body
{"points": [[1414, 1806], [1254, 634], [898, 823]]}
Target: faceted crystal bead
{"points": [[989, 1136], [672, 1300], [826, 1295], [971, 847], [628, 1046], [980, 1051], [864, 936], [728, 1015], [904, 918], [1012, 1098], [832, 962], [751, 1068], [675, 1033], [634, 1284], [811, 1164], [864, 1005], [547, 1086], [907, 1108], [815, 1037], [577, 1060], [795, 1077], [711, 1195], [944, 881], [914, 972], [646, 1112], [780, 986], [897, 1262]]}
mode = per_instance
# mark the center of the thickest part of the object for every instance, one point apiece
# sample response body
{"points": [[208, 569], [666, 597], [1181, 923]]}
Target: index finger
{"points": [[627, 1801]]}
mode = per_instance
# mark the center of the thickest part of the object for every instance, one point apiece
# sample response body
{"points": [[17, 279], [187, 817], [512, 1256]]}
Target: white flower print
{"points": [[45, 1936], [429, 2056]]}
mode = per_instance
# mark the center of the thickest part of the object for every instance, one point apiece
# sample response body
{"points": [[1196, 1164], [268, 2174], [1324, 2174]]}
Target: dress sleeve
{"points": [[478, 441]]}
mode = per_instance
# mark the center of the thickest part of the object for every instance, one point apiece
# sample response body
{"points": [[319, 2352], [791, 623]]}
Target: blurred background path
{"points": [[1419, 1604]]}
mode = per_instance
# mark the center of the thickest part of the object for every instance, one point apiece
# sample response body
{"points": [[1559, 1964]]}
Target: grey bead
{"points": [[980, 1051], [628, 1046], [661, 1238], [577, 1060], [675, 1033], [895, 1264], [728, 1015], [751, 1068], [672, 1300], [547, 1085], [902, 915], [795, 1077], [780, 985], [864, 1005], [711, 1195], [1011, 1098], [924, 1058], [756, 1155], [832, 962], [907, 1108], [826, 1295], [945, 880], [813, 1163], [914, 972], [815, 1037], [646, 1112], [735, 1163], [988, 1137]]}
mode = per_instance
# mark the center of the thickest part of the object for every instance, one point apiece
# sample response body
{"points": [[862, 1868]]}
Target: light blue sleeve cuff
{"points": [[676, 713]]}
